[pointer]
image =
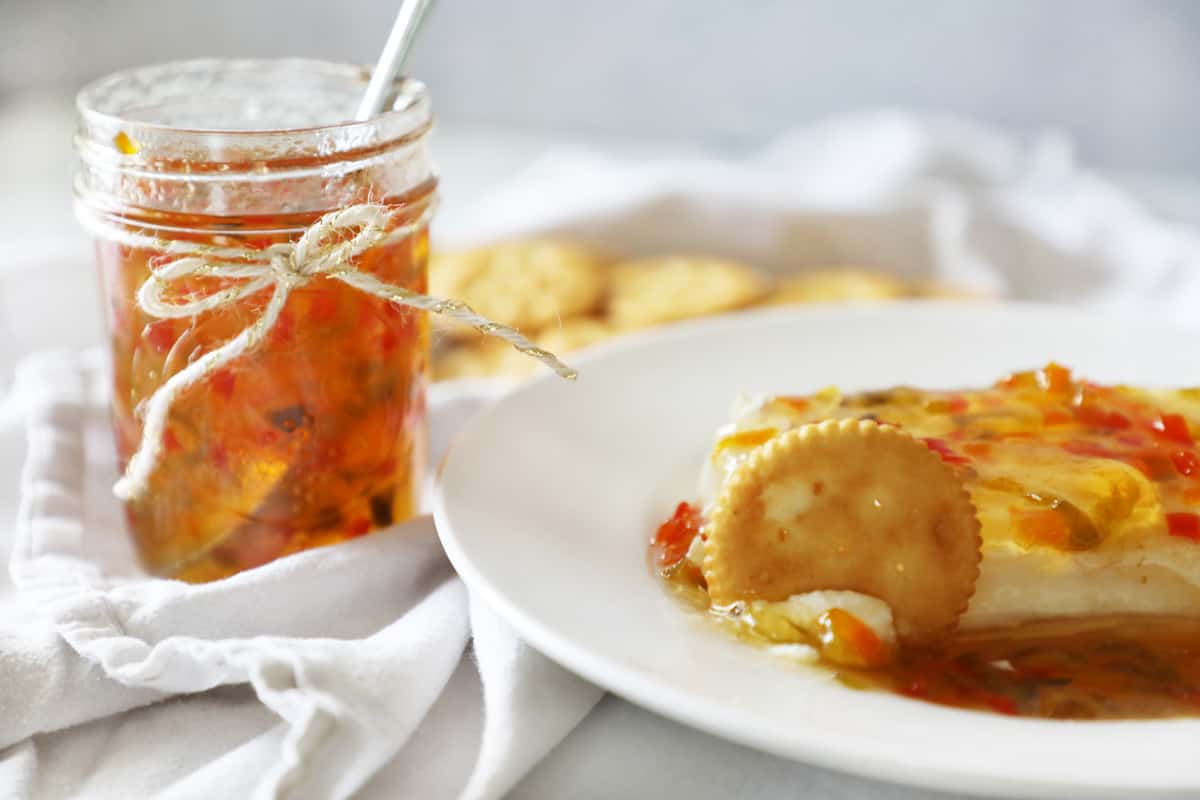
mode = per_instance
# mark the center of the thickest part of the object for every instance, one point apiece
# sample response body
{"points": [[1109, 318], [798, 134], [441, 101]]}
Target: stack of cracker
{"points": [[566, 296]]}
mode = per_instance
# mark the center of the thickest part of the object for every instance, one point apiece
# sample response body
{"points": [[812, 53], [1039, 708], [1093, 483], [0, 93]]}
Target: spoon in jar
{"points": [[391, 60]]}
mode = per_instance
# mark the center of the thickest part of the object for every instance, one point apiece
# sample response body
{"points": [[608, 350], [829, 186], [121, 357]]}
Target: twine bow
{"points": [[326, 248]]}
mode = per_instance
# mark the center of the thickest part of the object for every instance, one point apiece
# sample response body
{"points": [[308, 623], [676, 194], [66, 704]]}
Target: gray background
{"points": [[1119, 75]]}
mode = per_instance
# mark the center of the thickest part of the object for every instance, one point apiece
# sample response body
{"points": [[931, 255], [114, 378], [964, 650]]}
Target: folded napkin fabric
{"points": [[349, 646]]}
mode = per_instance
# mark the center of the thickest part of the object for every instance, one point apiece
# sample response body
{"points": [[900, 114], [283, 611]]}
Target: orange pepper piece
{"points": [[846, 640]]}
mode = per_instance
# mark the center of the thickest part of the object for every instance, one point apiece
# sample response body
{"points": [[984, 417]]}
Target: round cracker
{"points": [[847, 504], [526, 284], [650, 291], [837, 285]]}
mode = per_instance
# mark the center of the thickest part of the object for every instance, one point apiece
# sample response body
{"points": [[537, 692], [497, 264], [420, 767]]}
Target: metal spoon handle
{"points": [[391, 60]]}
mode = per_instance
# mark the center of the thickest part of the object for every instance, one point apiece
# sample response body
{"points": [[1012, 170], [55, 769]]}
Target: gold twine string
{"points": [[326, 248]]}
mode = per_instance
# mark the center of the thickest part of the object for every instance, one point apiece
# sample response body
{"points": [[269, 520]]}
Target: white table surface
{"points": [[48, 298]]}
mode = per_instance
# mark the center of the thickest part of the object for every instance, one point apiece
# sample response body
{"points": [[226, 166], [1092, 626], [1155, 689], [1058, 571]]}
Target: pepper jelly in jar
{"points": [[313, 433]]}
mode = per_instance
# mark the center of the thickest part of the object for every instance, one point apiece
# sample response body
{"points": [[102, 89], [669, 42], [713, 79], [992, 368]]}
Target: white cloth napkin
{"points": [[353, 652], [350, 646]]}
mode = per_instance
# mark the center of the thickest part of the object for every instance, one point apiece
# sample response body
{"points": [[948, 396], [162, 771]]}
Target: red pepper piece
{"points": [[1173, 427], [160, 334], [1185, 525], [846, 640], [1186, 462], [675, 536], [1117, 420], [1090, 414], [940, 447]]}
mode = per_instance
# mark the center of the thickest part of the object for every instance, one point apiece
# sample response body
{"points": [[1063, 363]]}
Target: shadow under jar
{"points": [[317, 434]]}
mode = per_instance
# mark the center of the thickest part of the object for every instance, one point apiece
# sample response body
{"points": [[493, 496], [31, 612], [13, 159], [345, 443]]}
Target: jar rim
{"points": [[139, 158], [95, 100]]}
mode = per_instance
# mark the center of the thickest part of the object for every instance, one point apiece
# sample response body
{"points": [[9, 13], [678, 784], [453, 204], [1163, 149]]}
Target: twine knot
{"points": [[328, 247]]}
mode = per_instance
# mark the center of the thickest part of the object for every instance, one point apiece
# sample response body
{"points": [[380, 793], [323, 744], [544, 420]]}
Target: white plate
{"points": [[548, 497]]}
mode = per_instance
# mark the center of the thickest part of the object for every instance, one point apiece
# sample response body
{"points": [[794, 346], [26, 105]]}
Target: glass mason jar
{"points": [[316, 434]]}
